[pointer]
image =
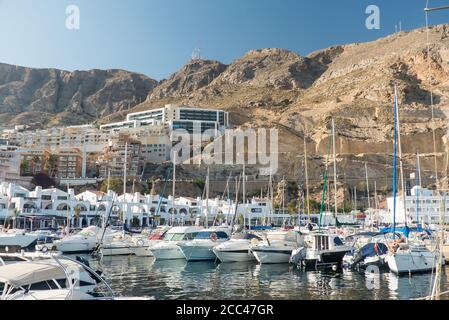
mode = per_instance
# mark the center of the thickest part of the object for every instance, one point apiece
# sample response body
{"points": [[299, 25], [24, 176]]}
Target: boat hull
{"points": [[234, 255], [272, 255], [198, 252], [404, 263], [167, 253]]}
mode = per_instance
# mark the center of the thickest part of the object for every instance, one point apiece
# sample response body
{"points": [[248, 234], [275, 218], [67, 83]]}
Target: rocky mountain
{"points": [[354, 84], [193, 76], [53, 97]]}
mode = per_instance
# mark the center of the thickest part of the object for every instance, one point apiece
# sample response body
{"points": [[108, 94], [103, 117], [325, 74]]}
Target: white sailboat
{"points": [[406, 258]]}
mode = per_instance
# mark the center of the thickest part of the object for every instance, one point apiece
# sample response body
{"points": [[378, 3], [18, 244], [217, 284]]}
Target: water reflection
{"points": [[177, 279]]}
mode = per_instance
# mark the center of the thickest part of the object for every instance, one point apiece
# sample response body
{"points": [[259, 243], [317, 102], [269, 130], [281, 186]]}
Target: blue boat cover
{"points": [[405, 230]]}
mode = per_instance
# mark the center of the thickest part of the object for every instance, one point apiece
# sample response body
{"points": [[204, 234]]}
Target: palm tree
{"points": [[24, 167], [76, 213], [15, 215], [50, 165], [35, 160]]}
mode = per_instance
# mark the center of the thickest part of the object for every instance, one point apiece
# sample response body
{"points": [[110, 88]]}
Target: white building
{"points": [[422, 206], [175, 117]]}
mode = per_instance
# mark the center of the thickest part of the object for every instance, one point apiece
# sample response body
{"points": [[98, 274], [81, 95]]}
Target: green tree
{"points": [[200, 183], [241, 219], [115, 184], [24, 167], [292, 207]]}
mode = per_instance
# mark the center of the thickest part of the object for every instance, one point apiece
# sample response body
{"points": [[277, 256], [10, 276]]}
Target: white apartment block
{"points": [[175, 117], [422, 206]]}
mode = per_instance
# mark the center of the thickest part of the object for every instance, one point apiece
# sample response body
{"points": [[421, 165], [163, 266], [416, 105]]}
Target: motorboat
{"points": [[168, 249], [14, 240], [321, 249], [84, 241], [22, 280], [119, 245], [10, 258], [146, 241], [277, 247], [412, 258], [201, 247], [237, 249], [58, 279]]}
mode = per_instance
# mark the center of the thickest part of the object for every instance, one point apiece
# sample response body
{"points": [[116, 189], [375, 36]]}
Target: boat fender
{"points": [[140, 243]]}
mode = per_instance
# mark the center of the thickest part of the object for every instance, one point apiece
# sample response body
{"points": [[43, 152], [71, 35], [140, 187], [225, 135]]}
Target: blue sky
{"points": [[157, 37]]}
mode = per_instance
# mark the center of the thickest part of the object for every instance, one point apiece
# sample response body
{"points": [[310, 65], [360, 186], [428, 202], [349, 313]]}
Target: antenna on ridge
{"points": [[196, 55]]}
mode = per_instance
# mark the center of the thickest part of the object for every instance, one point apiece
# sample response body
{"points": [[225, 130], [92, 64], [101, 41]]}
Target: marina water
{"points": [[178, 279]]}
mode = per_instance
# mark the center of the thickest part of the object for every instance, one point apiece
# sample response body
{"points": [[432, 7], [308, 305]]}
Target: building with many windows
{"points": [[421, 206], [175, 117]]}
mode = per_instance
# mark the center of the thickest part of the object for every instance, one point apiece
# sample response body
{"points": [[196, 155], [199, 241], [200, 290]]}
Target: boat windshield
{"points": [[207, 235], [86, 233], [245, 236], [174, 236]]}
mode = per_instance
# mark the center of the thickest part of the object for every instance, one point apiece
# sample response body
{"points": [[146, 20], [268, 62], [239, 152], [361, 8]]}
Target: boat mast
{"points": [[307, 174], [125, 166], [418, 183], [174, 189], [207, 198], [367, 194], [401, 166], [335, 170], [376, 202], [395, 133], [244, 194]]}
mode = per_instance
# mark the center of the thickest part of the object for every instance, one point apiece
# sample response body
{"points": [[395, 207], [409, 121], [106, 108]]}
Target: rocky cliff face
{"points": [[354, 84], [61, 97], [193, 76]]}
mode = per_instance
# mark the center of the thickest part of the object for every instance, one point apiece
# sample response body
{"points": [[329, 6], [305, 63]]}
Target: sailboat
{"points": [[406, 257]]}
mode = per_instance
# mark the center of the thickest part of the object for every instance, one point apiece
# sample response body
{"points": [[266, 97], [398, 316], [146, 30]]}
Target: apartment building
{"points": [[122, 150], [67, 163], [175, 117], [421, 206]]}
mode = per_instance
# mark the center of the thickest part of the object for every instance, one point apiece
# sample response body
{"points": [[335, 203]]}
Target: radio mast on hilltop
{"points": [[196, 54]]}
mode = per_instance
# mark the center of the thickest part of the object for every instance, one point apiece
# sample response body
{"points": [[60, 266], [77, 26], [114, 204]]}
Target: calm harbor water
{"points": [[169, 280]]}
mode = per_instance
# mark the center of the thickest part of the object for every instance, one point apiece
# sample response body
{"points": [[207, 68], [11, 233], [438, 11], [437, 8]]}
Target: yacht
{"points": [[320, 250], [147, 241], [23, 280], [58, 279], [84, 241], [168, 248], [16, 240], [237, 249], [10, 258], [277, 247], [412, 258], [119, 245], [201, 247]]}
